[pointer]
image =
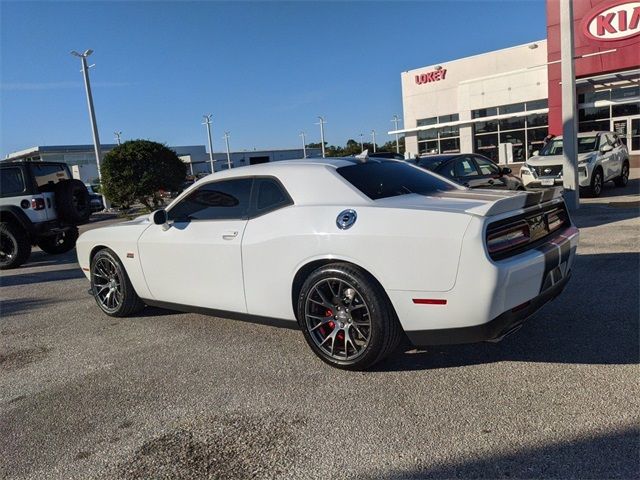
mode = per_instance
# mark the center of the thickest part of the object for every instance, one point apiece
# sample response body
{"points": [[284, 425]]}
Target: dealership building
{"points": [[503, 104]]}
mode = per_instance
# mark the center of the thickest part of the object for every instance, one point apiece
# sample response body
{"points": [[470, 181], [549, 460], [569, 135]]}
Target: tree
{"points": [[138, 169]]}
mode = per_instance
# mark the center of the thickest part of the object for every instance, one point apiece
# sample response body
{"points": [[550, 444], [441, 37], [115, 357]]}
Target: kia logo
{"points": [[429, 77], [613, 23]]}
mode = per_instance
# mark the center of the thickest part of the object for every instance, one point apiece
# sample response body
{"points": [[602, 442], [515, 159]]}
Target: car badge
{"points": [[346, 219], [547, 170]]}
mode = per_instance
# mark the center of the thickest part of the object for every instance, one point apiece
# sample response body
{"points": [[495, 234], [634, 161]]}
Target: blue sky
{"points": [[264, 69]]}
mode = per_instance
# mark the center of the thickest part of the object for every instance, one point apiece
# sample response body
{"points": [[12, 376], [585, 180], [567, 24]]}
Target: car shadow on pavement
{"points": [[596, 214], [601, 455], [23, 278], [594, 321], [41, 259], [19, 306]]}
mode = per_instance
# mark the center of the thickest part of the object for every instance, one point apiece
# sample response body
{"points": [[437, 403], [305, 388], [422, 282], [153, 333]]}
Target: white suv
{"points": [[601, 157]]}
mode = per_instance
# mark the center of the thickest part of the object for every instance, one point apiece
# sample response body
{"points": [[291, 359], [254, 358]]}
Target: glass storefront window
{"points": [[625, 109], [485, 127], [449, 118], [593, 126], [538, 104], [450, 145], [590, 97], [592, 113], [538, 120], [513, 108], [487, 145], [535, 139], [484, 112], [428, 134], [512, 123], [517, 139], [423, 122]]}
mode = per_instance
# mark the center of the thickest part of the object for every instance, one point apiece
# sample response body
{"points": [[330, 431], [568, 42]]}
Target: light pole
{"points": [[321, 123], [226, 140], [361, 143], [373, 134], [92, 114], [569, 130], [207, 122], [304, 145], [395, 121], [118, 135]]}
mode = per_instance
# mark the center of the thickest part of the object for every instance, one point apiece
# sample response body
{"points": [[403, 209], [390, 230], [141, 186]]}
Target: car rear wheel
{"points": [[111, 287], [597, 181], [623, 179], [60, 243], [346, 317], [15, 247]]}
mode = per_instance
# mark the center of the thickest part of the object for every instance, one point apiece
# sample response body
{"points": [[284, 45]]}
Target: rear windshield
{"points": [[46, 176], [383, 179]]}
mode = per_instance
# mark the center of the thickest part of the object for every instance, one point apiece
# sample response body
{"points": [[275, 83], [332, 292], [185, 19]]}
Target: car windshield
{"points": [[47, 175], [585, 145], [382, 179]]}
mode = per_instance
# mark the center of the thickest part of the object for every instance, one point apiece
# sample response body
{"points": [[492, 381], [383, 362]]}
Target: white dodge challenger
{"points": [[357, 251]]}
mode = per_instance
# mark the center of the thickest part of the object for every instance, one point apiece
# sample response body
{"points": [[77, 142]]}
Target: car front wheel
{"points": [[111, 287], [60, 243], [597, 181], [346, 317]]}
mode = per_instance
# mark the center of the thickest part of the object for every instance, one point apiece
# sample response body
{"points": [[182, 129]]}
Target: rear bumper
{"points": [[494, 330]]}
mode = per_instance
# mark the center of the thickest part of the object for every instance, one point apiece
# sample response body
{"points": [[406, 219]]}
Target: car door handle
{"points": [[229, 235]]}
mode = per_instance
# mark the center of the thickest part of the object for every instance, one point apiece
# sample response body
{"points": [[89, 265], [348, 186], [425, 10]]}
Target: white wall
{"points": [[488, 80]]}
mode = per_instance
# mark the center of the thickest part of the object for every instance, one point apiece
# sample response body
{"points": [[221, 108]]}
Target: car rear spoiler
{"points": [[501, 202]]}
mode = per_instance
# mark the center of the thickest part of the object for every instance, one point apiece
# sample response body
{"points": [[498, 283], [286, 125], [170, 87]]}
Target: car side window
{"points": [[270, 195], [461, 167], [487, 167], [11, 181], [223, 200]]}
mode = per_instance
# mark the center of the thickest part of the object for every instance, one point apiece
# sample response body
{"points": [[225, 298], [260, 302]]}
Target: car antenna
{"points": [[363, 157]]}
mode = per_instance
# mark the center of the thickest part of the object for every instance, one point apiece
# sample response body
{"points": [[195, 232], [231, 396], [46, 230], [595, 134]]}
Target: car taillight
{"points": [[37, 203], [511, 237], [556, 219]]}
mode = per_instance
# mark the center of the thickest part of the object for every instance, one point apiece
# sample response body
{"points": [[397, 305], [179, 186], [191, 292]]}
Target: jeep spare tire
{"points": [[72, 201]]}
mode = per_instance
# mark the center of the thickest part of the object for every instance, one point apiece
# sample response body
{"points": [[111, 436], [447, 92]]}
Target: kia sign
{"points": [[429, 77], [613, 22]]}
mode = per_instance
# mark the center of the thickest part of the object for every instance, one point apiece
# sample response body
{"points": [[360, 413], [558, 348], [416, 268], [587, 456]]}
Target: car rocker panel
{"points": [[446, 264]]}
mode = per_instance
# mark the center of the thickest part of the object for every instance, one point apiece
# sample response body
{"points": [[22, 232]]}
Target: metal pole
{"points": [[373, 134], [569, 113], [118, 134], [304, 145], [207, 122], [395, 121], [361, 143], [92, 115], [322, 122], [226, 140]]}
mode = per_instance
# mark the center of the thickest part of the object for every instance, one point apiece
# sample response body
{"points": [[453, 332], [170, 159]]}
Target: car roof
{"points": [[586, 134], [441, 157]]}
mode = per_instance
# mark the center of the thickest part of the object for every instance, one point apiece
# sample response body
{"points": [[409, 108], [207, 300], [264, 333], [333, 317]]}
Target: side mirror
{"points": [[606, 148], [535, 153], [160, 217], [506, 171]]}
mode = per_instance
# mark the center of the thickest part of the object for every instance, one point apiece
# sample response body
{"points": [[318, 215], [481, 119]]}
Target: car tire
{"points": [[597, 182], [623, 179], [72, 201], [111, 287], [346, 317], [60, 243], [15, 246]]}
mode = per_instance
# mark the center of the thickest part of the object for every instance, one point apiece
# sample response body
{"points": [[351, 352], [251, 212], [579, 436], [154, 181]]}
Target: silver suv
{"points": [[601, 157], [40, 204]]}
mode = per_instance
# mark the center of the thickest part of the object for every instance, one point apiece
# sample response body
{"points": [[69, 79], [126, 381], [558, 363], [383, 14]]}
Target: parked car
{"points": [[471, 170], [396, 156], [601, 157], [95, 199], [355, 250], [40, 204]]}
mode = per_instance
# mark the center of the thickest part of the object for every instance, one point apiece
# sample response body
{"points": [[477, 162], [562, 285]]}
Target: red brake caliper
{"points": [[330, 323]]}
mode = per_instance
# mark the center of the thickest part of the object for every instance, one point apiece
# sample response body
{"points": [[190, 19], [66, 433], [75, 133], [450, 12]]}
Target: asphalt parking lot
{"points": [[172, 395]]}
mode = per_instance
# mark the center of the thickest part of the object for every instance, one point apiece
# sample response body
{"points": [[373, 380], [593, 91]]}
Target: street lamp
{"points": [[321, 123], [361, 142], [92, 114], [304, 145], [117, 136], [395, 121], [207, 122], [226, 140], [373, 134]]}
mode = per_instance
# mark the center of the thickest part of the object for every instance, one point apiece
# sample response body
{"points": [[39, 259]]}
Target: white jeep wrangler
{"points": [[40, 204]]}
